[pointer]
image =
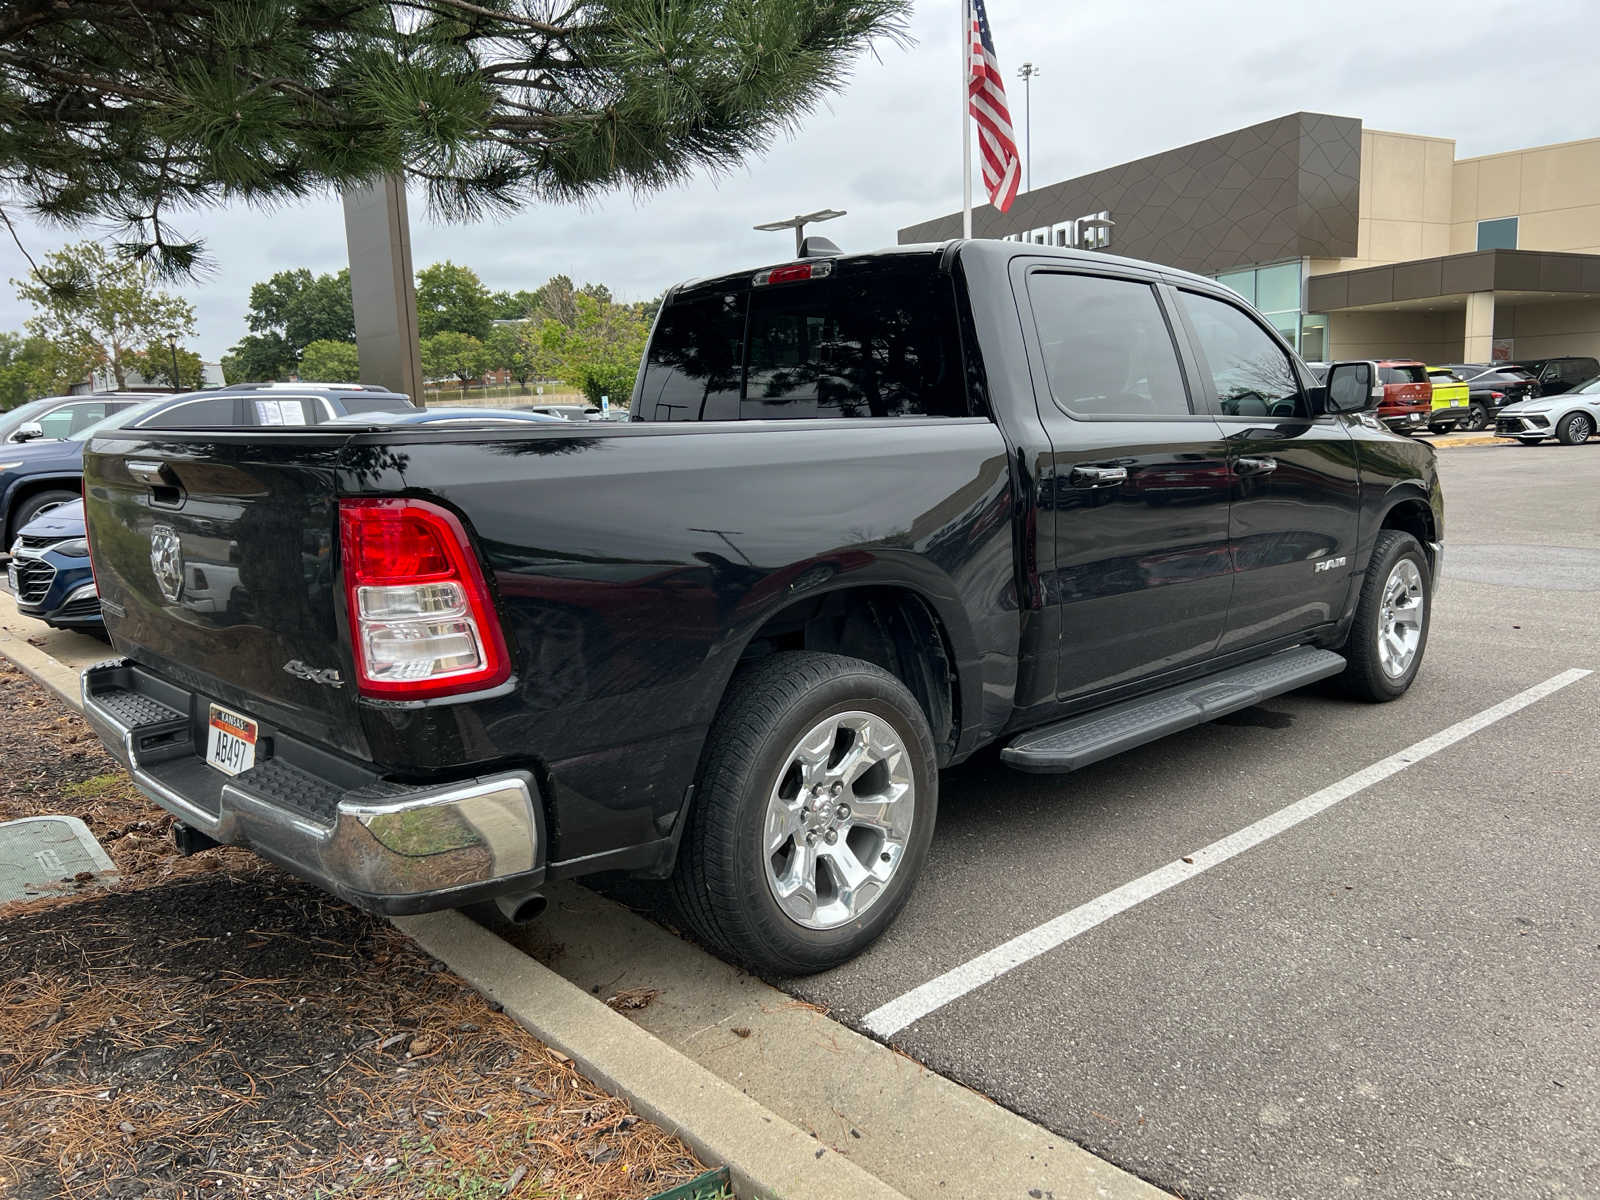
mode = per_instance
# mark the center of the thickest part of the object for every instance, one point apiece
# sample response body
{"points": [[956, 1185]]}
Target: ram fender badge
{"points": [[1329, 564], [327, 676]]}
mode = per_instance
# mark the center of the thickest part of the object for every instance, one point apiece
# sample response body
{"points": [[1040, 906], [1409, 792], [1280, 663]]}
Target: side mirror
{"points": [[1351, 387], [32, 431]]}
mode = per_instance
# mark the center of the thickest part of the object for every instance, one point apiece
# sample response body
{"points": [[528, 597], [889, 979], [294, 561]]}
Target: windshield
{"points": [[1589, 387], [118, 419]]}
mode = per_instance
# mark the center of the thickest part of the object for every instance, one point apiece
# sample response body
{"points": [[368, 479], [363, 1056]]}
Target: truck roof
{"points": [[986, 247]]}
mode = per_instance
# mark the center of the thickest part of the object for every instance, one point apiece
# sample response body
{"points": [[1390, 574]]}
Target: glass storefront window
{"points": [[1314, 337], [1243, 282], [1278, 288]]}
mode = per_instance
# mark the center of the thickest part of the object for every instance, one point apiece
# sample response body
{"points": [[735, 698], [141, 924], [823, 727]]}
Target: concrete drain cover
{"points": [[41, 856]]}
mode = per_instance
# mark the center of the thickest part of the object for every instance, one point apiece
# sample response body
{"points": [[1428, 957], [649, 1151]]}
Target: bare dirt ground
{"points": [[210, 1026]]}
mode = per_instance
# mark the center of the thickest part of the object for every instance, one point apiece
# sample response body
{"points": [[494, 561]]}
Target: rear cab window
{"points": [[1415, 374], [872, 338]]}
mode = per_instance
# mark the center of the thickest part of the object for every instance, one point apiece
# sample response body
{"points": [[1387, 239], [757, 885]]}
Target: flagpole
{"points": [[965, 42]]}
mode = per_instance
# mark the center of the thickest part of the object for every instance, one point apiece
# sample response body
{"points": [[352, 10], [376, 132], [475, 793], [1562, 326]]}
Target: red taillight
{"points": [[1497, 395], [421, 617], [793, 272]]}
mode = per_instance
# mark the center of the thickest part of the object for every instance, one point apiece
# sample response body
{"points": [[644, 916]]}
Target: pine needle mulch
{"points": [[211, 1026]]}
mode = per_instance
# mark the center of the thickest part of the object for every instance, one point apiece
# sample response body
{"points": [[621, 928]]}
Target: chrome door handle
{"points": [[1254, 466], [1097, 476]]}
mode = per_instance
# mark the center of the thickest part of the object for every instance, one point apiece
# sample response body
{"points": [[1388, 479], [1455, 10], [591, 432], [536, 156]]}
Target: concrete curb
{"points": [[768, 1157], [44, 670]]}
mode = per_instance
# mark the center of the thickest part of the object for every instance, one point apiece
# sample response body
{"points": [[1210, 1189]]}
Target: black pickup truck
{"points": [[872, 512]]}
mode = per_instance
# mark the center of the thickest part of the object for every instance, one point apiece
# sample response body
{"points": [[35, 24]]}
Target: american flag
{"points": [[986, 100]]}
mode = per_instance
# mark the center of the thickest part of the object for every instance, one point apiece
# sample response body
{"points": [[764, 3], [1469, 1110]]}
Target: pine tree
{"points": [[135, 110]]}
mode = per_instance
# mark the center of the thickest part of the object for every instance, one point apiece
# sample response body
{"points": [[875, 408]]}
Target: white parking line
{"points": [[891, 1018]]}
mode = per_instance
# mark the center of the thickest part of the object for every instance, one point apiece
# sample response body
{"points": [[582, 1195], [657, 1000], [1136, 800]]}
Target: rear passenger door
{"points": [[1133, 495], [1292, 523]]}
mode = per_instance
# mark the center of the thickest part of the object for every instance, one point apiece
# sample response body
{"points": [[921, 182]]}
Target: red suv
{"points": [[1407, 394]]}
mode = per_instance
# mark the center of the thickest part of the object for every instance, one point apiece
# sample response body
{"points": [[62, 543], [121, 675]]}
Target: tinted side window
{"points": [[692, 372], [375, 403], [875, 342], [194, 414], [1577, 370], [1250, 371], [1106, 346]]}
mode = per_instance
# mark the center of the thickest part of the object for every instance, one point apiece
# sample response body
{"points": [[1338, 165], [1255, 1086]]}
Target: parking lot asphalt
{"points": [[1395, 997]]}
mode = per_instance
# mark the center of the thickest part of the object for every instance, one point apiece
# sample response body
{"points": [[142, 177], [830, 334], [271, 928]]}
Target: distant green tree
{"points": [[452, 299], [286, 314], [99, 310], [600, 352], [30, 367], [453, 354], [556, 301], [154, 364], [258, 358], [327, 361], [513, 346]]}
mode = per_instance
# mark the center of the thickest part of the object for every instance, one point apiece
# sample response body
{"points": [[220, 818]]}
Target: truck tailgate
{"points": [[215, 556]]}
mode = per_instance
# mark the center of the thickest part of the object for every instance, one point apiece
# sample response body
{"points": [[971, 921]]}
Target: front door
{"points": [[1292, 525], [1134, 491]]}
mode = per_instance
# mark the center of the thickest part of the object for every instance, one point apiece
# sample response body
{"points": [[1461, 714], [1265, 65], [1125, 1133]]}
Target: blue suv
{"points": [[49, 572]]}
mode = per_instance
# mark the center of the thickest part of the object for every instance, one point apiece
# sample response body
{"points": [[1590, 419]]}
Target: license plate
{"points": [[230, 741], [1416, 418], [11, 578]]}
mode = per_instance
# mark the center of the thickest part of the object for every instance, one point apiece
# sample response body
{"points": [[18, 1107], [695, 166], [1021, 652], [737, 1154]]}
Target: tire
{"points": [[727, 882], [1477, 418], [1373, 673], [1575, 429], [33, 505], [1440, 428]]}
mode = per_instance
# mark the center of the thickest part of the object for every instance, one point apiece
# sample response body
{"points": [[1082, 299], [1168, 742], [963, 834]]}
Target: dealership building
{"points": [[1355, 243]]}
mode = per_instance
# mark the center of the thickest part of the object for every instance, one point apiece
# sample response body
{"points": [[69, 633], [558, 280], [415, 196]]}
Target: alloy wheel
{"points": [[1400, 619], [838, 819]]}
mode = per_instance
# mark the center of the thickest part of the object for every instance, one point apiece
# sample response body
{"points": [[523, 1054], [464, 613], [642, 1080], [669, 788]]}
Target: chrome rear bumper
{"points": [[387, 847]]}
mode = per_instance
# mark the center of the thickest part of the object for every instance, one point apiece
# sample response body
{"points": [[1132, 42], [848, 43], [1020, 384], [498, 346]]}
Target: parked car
{"points": [[1562, 374], [49, 571], [1407, 395], [43, 475], [56, 417], [873, 512], [1491, 386], [1572, 416], [1451, 400]]}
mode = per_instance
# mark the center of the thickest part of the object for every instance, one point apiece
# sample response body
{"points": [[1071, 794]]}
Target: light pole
{"points": [[172, 345], [1026, 73], [798, 224]]}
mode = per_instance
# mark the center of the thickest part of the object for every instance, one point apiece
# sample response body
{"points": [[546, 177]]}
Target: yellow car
{"points": [[1451, 400]]}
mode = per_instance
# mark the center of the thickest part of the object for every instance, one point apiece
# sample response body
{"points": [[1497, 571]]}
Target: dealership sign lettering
{"points": [[1092, 231]]}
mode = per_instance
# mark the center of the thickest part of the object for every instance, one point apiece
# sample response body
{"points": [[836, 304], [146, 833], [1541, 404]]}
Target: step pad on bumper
{"points": [[1079, 741]]}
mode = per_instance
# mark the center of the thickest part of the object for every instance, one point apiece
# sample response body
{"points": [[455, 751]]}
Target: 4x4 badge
{"points": [[166, 560], [327, 676]]}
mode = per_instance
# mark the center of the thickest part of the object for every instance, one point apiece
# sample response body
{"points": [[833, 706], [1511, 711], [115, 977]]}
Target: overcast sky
{"points": [[1118, 81]]}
